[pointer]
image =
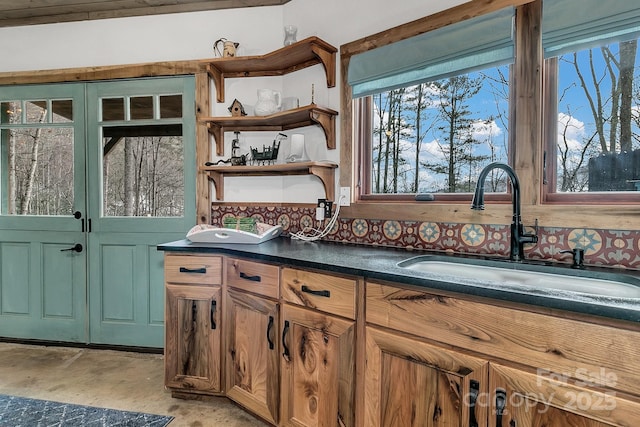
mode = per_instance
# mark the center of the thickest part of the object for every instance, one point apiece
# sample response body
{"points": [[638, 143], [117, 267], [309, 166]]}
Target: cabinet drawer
{"points": [[193, 269], [253, 276], [336, 295]]}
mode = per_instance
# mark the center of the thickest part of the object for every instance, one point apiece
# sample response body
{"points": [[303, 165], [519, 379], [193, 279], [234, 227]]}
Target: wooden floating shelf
{"points": [[288, 59], [284, 120], [323, 170]]}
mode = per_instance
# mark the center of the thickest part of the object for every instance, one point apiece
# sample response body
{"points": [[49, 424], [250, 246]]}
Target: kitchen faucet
{"points": [[518, 236]]}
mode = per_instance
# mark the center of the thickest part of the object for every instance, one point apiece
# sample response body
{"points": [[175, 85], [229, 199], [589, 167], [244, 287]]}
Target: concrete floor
{"points": [[108, 379]]}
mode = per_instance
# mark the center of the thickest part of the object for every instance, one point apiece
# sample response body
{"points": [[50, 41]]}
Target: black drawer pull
{"points": [[214, 305], [269, 327], [252, 278], [286, 354], [474, 390], [325, 293], [202, 270], [501, 403]]}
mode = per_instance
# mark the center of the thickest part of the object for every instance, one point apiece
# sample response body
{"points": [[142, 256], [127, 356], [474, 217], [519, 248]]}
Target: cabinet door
{"points": [[192, 340], [317, 369], [525, 399], [410, 383], [252, 375]]}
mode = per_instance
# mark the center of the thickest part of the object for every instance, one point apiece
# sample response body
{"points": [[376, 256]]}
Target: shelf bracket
{"points": [[327, 177], [218, 136], [328, 61], [218, 181], [328, 124], [218, 80]]}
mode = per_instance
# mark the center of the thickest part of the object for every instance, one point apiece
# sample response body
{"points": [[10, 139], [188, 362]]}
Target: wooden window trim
{"points": [[527, 128]]}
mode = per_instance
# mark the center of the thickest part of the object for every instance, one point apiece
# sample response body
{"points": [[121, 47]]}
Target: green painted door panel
{"points": [[126, 284], [42, 287]]}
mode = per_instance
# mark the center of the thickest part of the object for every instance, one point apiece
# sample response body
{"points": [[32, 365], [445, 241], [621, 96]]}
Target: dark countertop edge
{"points": [[612, 308]]}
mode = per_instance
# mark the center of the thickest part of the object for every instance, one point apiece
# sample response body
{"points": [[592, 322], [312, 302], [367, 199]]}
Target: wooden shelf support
{"points": [[284, 120], [323, 170], [302, 54], [327, 122], [218, 81], [218, 136], [328, 61]]}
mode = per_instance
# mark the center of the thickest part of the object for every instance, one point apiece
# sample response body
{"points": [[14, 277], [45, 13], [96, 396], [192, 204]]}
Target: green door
{"points": [[141, 153], [93, 176], [42, 146]]}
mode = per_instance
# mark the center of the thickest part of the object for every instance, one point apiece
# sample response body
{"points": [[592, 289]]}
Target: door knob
{"points": [[76, 248]]}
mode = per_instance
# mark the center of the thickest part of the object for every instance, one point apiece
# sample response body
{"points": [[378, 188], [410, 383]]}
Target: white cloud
{"points": [[571, 130]]}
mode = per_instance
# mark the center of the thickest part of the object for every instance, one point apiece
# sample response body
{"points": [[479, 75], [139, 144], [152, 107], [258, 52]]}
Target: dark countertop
{"points": [[381, 263]]}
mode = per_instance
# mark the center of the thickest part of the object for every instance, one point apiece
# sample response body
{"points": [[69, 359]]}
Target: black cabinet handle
{"points": [[308, 290], [202, 270], [269, 327], [213, 313], [501, 402], [252, 278], [285, 353], [474, 390]]}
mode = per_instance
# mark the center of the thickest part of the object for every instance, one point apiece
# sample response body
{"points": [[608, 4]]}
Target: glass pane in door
{"points": [[40, 159], [143, 171]]}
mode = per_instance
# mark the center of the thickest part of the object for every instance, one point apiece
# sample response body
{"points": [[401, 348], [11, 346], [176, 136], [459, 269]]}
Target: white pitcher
{"points": [[269, 102]]}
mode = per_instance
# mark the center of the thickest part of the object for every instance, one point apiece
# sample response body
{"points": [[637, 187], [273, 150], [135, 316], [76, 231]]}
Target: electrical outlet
{"points": [[345, 196], [323, 209], [327, 208]]}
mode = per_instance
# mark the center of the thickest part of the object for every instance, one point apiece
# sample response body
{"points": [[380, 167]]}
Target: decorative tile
{"points": [[616, 248]]}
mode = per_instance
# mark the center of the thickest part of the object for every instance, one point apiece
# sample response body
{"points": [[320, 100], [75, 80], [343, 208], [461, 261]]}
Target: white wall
{"points": [[191, 36]]}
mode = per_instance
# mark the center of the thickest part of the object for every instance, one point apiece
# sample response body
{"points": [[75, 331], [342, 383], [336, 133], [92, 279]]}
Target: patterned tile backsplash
{"points": [[613, 248]]}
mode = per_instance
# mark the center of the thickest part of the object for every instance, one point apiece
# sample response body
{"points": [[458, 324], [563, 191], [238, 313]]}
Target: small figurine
{"points": [[236, 109]]}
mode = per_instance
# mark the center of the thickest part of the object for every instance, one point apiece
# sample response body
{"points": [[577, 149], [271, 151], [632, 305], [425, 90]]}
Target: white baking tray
{"points": [[204, 233]]}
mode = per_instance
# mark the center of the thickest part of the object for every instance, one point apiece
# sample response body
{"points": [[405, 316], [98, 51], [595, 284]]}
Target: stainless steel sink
{"points": [[543, 277]]}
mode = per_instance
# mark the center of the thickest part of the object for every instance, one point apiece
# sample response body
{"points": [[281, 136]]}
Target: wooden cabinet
{"points": [[409, 382], [544, 370], [318, 345], [544, 398], [252, 346], [312, 349], [192, 324]]}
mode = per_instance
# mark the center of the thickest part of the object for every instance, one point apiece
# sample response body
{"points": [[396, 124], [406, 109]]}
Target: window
{"points": [[537, 109], [440, 108], [592, 120], [143, 156], [38, 137], [435, 137]]}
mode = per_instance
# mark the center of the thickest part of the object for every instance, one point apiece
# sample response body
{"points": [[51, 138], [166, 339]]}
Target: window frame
{"points": [[527, 124]]}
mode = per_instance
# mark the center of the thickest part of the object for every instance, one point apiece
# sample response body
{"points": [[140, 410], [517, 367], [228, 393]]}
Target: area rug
{"points": [[23, 412]]}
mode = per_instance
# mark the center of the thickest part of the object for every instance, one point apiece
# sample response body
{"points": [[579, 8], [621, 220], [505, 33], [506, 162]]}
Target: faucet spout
{"points": [[518, 236]]}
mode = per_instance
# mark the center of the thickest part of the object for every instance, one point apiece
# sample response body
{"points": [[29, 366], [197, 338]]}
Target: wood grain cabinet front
{"points": [[524, 398], [409, 382], [192, 339], [193, 324], [255, 277], [543, 369], [252, 348], [318, 369], [318, 349], [319, 291], [193, 269]]}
